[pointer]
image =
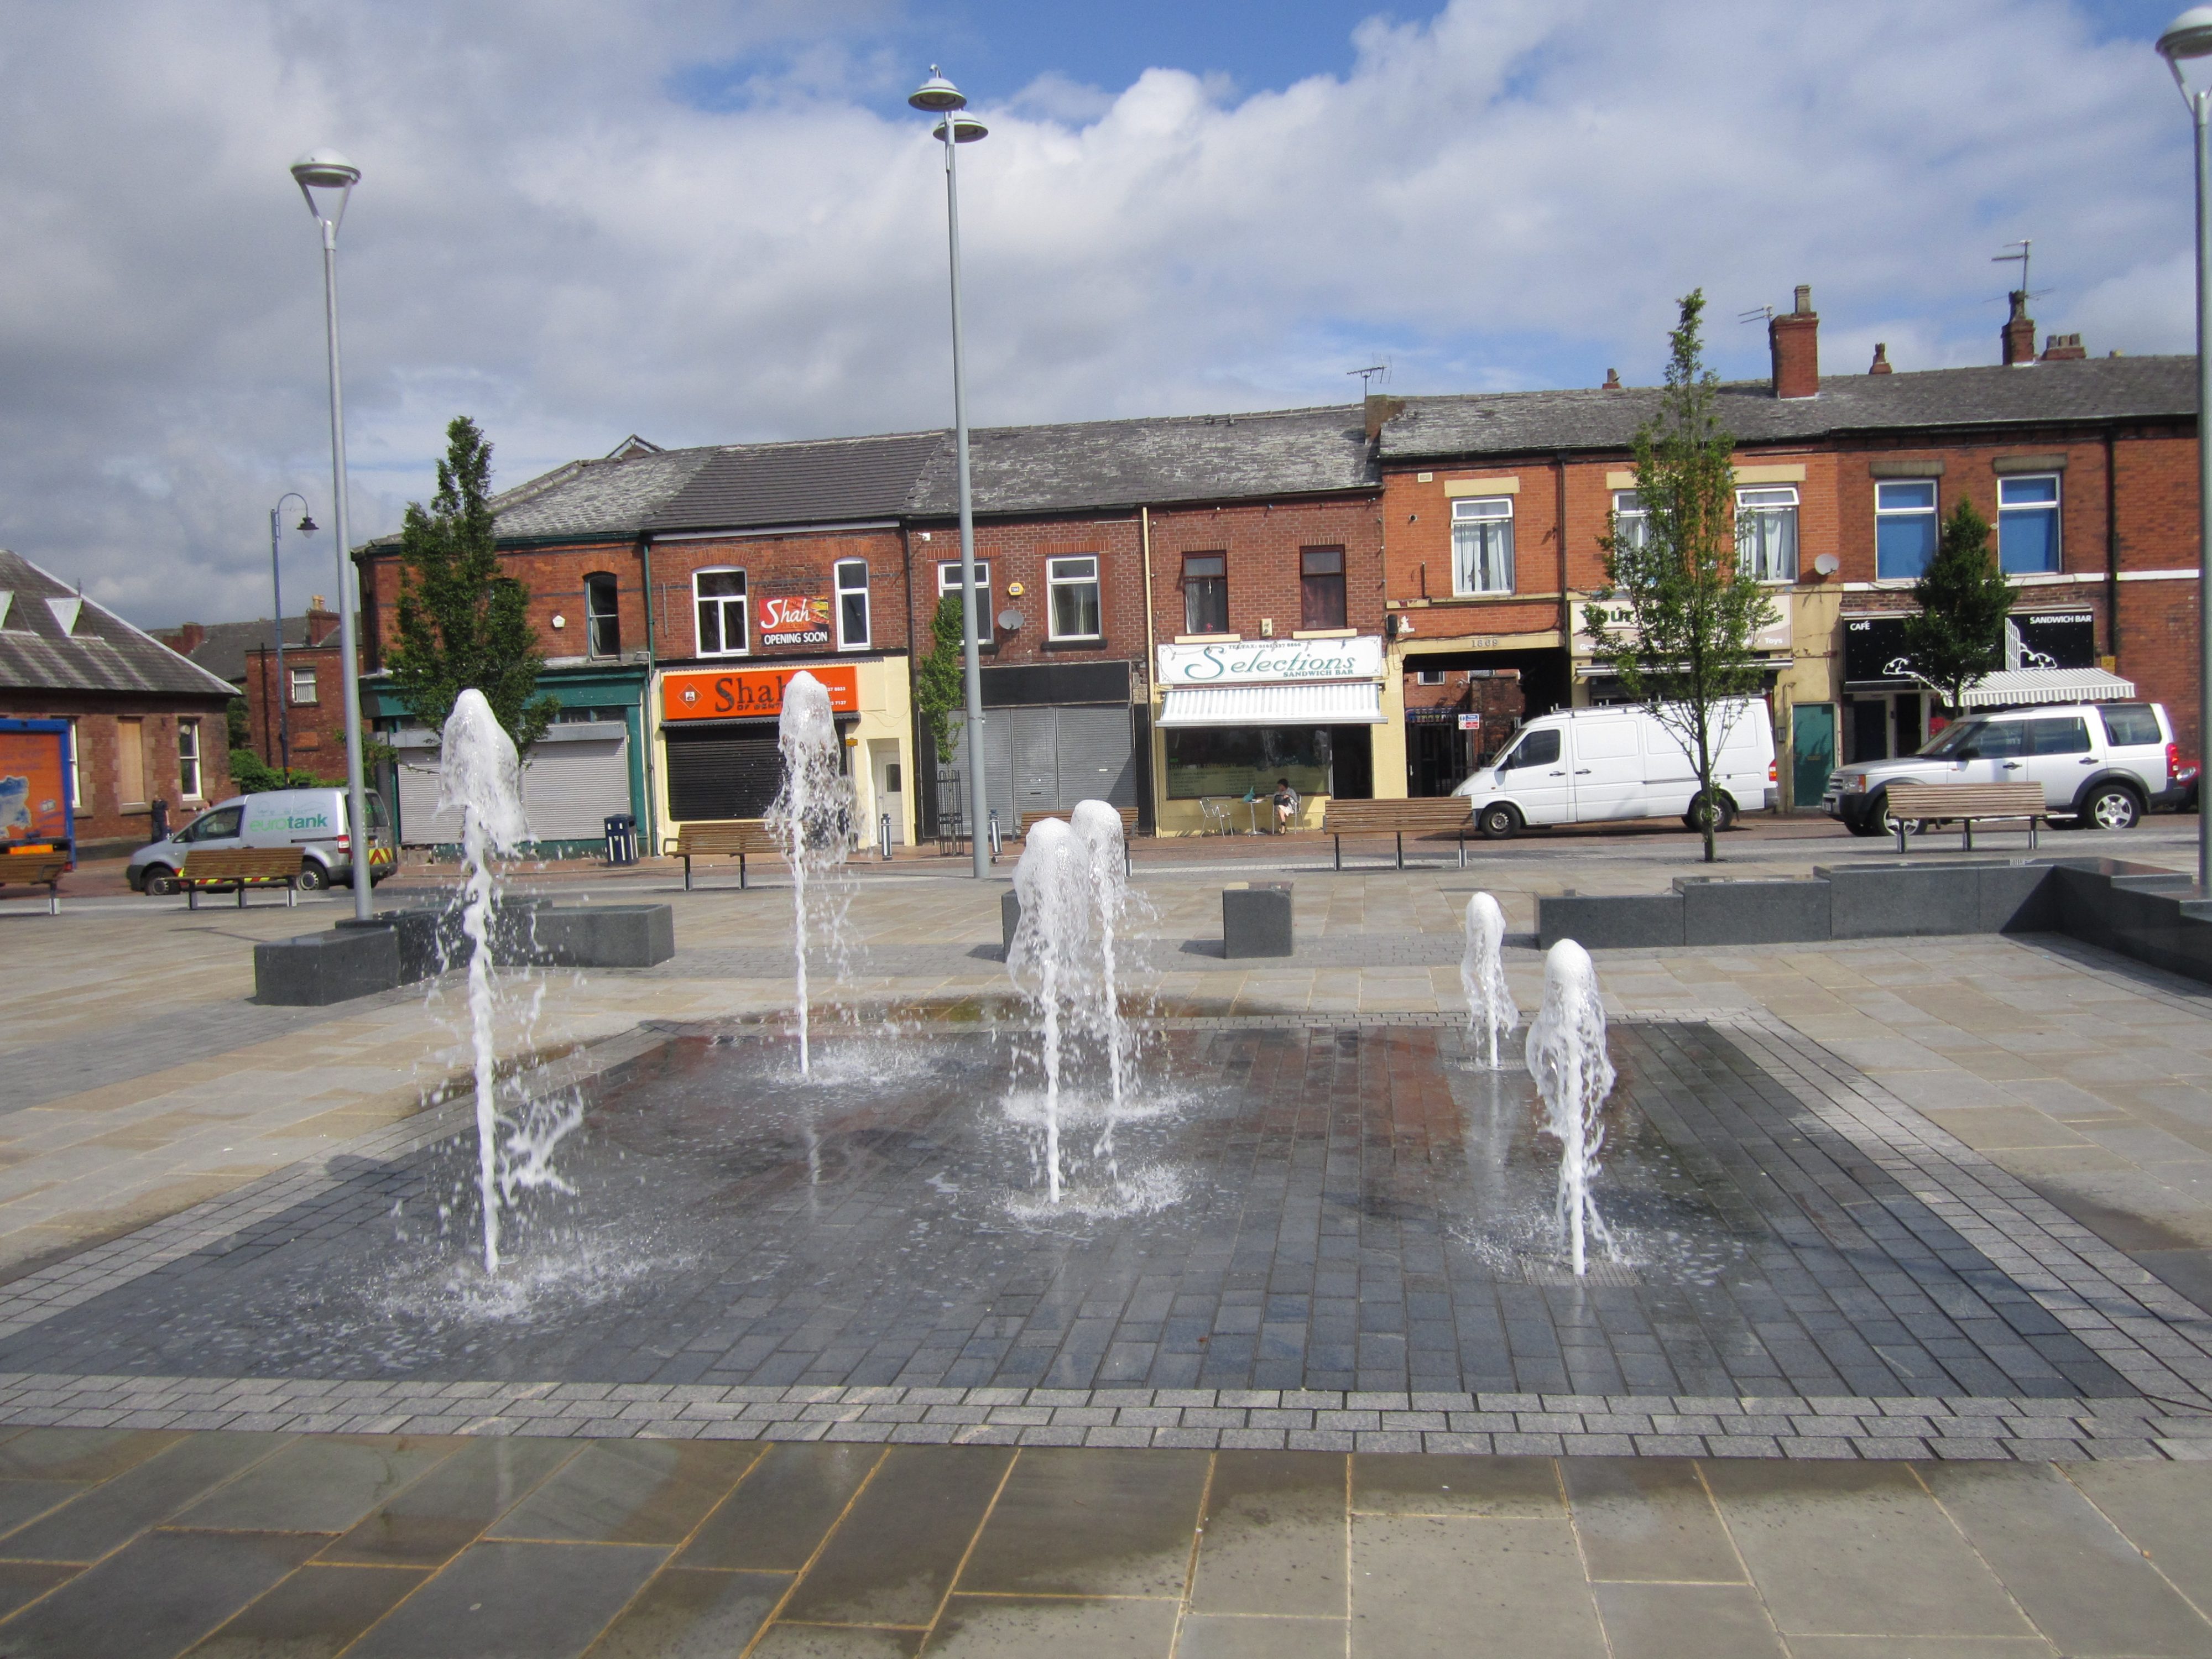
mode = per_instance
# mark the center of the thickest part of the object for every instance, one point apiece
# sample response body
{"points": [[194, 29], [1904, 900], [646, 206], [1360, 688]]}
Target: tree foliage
{"points": [[1677, 621], [462, 621], [1958, 635], [940, 676]]}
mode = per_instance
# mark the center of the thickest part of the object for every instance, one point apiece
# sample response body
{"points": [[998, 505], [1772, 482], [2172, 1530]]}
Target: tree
{"points": [[462, 621], [941, 684], [1958, 634], [1679, 620]]}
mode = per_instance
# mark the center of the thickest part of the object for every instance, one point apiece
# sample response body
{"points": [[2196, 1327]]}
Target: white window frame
{"points": [[948, 584], [844, 588], [190, 777], [76, 768], [2055, 506], [1931, 513], [292, 691], [1631, 523], [1482, 510], [1755, 505], [1428, 676], [614, 616], [743, 602], [1059, 574]]}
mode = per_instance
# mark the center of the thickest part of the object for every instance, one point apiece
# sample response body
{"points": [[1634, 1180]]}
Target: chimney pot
{"points": [[1804, 306], [1794, 339], [2063, 348], [1612, 380], [1881, 364]]}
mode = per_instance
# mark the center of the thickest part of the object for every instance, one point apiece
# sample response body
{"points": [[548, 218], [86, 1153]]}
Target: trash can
{"points": [[622, 838]]}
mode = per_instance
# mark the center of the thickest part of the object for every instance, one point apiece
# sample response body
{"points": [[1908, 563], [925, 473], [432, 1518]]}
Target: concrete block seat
{"points": [[1256, 919]]}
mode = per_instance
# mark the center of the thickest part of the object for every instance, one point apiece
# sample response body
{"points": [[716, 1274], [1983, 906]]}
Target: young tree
{"points": [[461, 623], [940, 679], [1679, 621], [1958, 634]]}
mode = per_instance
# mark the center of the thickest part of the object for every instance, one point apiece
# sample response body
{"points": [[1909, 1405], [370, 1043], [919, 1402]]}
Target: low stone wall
{"points": [[2137, 910]]}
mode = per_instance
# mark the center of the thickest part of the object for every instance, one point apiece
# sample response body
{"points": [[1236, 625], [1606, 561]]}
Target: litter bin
{"points": [[622, 838]]}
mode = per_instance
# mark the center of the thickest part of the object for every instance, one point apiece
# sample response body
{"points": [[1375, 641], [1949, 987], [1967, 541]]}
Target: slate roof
{"points": [[224, 651], [1522, 423], [610, 497], [824, 481], [1153, 461], [102, 653]]}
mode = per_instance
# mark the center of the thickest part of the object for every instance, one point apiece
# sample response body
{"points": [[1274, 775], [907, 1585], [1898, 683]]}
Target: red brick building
{"points": [[146, 725]]}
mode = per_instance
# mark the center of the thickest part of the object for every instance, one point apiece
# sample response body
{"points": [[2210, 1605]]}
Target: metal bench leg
{"points": [[192, 898], [291, 896], [1339, 852], [53, 899], [741, 873], [241, 896], [1900, 835], [2031, 824], [1966, 834], [1401, 849], [687, 872], [1461, 839]]}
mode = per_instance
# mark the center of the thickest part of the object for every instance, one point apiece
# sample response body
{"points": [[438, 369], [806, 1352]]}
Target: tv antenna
{"points": [[1756, 314], [2024, 245], [1371, 374]]}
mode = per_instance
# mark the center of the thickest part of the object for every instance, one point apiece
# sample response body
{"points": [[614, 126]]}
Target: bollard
{"points": [[883, 837], [995, 832]]}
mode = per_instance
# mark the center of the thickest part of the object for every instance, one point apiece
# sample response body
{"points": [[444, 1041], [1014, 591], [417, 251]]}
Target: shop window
{"points": [[722, 600], [188, 759], [1074, 586], [303, 687], [1904, 529], [852, 578], [1766, 533], [1205, 592], [602, 623], [1632, 525], [2028, 525], [1225, 761], [1320, 588], [1482, 545]]}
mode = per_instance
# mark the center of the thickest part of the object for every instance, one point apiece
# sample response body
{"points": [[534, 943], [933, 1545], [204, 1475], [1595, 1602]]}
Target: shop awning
{"points": [[2013, 686], [1330, 702]]}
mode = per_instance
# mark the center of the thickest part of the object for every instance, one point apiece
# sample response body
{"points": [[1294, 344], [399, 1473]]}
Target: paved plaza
{"points": [[1917, 1239]]}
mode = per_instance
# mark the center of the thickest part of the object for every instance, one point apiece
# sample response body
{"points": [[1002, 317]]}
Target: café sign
{"points": [[1257, 662], [750, 693]]}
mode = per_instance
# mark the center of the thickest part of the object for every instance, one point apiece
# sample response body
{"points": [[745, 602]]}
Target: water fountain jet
{"points": [[1566, 1054], [1490, 1008], [809, 818]]}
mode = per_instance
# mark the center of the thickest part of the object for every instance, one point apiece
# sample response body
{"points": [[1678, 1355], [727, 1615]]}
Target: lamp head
{"points": [[326, 179], [937, 93], [307, 525], [966, 129], [2188, 39]]}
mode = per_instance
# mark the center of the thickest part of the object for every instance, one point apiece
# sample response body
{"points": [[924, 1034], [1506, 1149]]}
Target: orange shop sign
{"points": [[750, 693]]}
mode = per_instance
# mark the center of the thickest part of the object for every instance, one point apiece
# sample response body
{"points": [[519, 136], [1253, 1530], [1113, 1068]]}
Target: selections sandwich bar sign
{"points": [[1251, 662], [750, 693]]}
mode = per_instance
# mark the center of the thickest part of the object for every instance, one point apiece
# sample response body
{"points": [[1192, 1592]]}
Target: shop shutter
{"points": [[1035, 785], [568, 788], [418, 799], [726, 772], [1096, 761]]}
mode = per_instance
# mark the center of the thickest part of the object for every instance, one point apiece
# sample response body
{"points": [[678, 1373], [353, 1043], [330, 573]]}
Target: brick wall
{"points": [[1263, 544], [784, 567], [317, 728], [1018, 551], [105, 821]]}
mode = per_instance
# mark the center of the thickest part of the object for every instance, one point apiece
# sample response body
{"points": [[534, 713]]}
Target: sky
{"points": [[714, 221]]}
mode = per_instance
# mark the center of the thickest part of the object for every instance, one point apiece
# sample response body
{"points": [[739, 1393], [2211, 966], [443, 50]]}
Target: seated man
{"points": [[1286, 805]]}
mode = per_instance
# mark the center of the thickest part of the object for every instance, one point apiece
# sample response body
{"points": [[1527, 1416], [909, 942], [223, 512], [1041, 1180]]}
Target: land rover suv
{"points": [[2102, 765]]}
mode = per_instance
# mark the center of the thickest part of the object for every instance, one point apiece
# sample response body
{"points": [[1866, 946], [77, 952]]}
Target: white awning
{"points": [[2013, 686], [1328, 702]]}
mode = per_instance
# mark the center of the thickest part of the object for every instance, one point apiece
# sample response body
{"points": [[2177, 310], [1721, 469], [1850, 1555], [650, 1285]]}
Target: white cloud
{"points": [[558, 234]]}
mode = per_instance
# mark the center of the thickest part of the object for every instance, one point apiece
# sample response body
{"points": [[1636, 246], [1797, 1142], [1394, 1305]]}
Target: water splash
{"points": [[479, 773], [811, 818], [1490, 1008], [1567, 1057], [1053, 885], [1097, 829]]}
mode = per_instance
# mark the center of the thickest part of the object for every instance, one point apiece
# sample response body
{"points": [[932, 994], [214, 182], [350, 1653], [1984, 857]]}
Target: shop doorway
{"points": [[1813, 749], [889, 775], [1437, 757]]}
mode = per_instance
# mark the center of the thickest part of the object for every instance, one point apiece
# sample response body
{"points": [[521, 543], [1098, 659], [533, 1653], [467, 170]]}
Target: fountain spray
{"points": [[809, 818], [1053, 883], [478, 772], [1567, 1053], [1098, 828], [1489, 1007]]}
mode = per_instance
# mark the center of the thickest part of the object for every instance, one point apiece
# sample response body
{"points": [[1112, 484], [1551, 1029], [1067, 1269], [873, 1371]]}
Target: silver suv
{"points": [[2100, 764]]}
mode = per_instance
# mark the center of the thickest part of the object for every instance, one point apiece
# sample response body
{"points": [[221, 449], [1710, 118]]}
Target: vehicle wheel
{"points": [[313, 877], [2111, 806], [1499, 820], [160, 881], [1723, 812], [1866, 826]]}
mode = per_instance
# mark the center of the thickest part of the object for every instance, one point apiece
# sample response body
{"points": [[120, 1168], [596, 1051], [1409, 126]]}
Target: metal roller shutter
{"points": [[569, 785], [1044, 759], [1097, 760], [1036, 737], [727, 772]]}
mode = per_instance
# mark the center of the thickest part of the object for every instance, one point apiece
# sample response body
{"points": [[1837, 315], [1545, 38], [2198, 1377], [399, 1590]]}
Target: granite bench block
{"points": [[1255, 920], [587, 936], [1009, 917], [1890, 901], [2017, 898], [1754, 912], [316, 969], [1622, 922]]}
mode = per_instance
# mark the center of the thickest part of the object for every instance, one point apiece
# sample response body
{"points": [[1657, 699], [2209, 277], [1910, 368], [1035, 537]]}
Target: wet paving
{"points": [[1277, 1207]]}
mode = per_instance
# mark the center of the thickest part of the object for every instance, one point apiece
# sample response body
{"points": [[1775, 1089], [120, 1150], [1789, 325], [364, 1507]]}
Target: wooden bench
{"points": [[36, 870], [734, 838], [1966, 804], [1452, 815], [243, 867]]}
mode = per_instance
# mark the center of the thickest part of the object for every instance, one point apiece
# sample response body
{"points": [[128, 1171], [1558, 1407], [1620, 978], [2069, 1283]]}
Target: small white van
{"points": [[312, 820], [1586, 765]]}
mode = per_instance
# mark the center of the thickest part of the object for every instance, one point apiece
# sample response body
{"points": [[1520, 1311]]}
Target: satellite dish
{"points": [[1011, 621], [1826, 564]]}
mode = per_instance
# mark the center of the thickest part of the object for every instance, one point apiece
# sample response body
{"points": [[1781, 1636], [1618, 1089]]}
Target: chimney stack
{"points": [[2019, 335], [1795, 340], [1378, 410], [1881, 364], [2063, 348]]}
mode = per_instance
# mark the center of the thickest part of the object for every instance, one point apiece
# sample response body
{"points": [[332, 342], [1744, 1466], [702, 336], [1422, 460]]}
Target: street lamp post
{"points": [[2188, 40], [939, 96], [326, 179], [284, 692]]}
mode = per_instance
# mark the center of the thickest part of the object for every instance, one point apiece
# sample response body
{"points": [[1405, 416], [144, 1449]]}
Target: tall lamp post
{"points": [[2188, 42], [326, 179], [284, 692], [939, 96]]}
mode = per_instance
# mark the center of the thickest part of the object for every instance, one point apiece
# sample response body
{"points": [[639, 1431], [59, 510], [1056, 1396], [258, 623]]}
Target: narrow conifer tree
{"points": [[1958, 637]]}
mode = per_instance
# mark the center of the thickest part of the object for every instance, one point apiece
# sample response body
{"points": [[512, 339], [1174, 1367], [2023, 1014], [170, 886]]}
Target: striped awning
{"points": [[2012, 687], [1328, 702]]}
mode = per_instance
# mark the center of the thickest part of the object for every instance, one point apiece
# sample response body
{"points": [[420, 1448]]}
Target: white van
{"points": [[312, 820], [1586, 765]]}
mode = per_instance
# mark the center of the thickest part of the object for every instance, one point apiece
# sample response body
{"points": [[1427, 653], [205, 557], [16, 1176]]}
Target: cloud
{"points": [[709, 222]]}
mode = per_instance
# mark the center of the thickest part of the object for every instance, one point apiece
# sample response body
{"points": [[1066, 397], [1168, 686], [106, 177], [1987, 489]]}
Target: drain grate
{"points": [[1597, 1272]]}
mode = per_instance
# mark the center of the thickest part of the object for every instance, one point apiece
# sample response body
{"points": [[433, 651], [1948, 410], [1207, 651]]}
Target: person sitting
{"points": [[1286, 805]]}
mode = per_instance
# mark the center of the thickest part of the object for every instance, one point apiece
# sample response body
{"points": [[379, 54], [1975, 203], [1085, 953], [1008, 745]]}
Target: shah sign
{"points": [[750, 693], [1262, 661], [794, 621]]}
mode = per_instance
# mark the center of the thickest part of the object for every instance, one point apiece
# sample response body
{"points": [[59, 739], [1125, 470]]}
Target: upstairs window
{"points": [[1429, 677], [1205, 592], [303, 686], [722, 600], [1482, 545], [1074, 587], [852, 604], [1632, 525], [948, 586], [188, 759], [1320, 588], [1766, 533], [2028, 525], [1904, 529], [602, 625]]}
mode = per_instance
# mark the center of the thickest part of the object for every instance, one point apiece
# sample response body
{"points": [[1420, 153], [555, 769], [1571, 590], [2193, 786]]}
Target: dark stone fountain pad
{"points": [[1347, 1208]]}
